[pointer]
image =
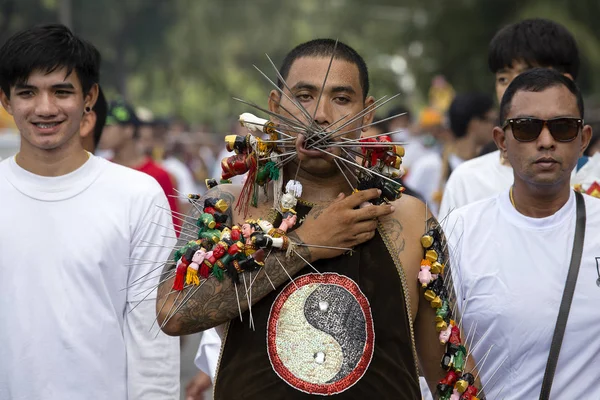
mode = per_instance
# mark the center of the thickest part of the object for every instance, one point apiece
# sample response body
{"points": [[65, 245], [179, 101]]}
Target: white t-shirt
{"points": [[513, 269], [69, 246], [207, 357], [425, 177], [414, 151], [183, 175], [474, 180]]}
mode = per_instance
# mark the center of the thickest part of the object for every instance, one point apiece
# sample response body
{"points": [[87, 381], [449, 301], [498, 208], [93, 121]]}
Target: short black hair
{"points": [[47, 48], [324, 48], [537, 42], [464, 108], [119, 112], [538, 80], [101, 110]]}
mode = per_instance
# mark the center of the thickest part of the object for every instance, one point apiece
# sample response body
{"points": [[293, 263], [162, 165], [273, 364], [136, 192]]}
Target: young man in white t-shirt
{"points": [[514, 49], [471, 117], [74, 231], [512, 251]]}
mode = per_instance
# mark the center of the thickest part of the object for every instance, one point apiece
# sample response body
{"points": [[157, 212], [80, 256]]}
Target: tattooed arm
{"points": [[405, 228], [408, 227], [215, 302], [338, 224]]}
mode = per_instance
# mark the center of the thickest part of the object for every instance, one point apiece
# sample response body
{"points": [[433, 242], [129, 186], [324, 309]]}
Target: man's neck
{"points": [[318, 189], [129, 156], [55, 162], [465, 148], [539, 202]]}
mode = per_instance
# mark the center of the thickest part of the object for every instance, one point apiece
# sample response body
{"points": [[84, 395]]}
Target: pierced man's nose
{"points": [[322, 114]]}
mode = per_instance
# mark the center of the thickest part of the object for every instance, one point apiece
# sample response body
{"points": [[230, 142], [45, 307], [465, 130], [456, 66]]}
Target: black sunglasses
{"points": [[563, 129]]}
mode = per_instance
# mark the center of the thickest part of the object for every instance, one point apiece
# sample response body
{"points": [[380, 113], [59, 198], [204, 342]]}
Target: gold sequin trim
{"points": [[406, 293], [223, 341]]}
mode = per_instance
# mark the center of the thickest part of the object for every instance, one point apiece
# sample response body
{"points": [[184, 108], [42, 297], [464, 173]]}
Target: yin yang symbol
{"points": [[320, 335]]}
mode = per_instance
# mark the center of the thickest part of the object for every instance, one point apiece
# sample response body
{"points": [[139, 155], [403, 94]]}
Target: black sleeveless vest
{"points": [[369, 338]]}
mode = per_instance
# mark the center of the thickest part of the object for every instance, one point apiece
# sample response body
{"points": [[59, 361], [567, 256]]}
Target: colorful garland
{"points": [[221, 250], [457, 384]]}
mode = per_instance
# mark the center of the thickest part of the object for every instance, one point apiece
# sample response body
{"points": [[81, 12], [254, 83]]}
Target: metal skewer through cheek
{"points": [[357, 165], [369, 109], [372, 123]]}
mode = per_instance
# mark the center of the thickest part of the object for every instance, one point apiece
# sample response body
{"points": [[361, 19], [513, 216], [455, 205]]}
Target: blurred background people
{"points": [[471, 117], [121, 135]]}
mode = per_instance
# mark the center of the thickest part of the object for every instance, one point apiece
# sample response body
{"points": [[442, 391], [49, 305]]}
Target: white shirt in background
{"points": [[513, 269], [414, 150], [475, 179], [182, 174], [425, 177], [71, 248], [207, 356]]}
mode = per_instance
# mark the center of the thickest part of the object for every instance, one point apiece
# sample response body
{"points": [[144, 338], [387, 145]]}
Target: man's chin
{"points": [[319, 167], [549, 179]]}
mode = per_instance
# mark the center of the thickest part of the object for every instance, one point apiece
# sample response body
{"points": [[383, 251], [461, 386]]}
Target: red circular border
{"points": [[358, 371]]}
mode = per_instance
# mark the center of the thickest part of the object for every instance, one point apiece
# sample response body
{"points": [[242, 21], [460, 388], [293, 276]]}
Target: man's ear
{"points": [[586, 136], [274, 100], [500, 140], [91, 97], [87, 124], [5, 102], [368, 118], [568, 75]]}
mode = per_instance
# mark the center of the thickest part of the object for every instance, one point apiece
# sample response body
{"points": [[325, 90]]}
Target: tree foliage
{"points": [[190, 57]]}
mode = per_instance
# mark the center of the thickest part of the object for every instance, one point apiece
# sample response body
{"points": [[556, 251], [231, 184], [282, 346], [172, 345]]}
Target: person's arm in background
{"points": [[206, 360], [152, 357], [424, 179]]}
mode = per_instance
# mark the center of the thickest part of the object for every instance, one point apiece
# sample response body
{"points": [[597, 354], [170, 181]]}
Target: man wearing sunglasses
{"points": [[513, 251], [514, 49]]}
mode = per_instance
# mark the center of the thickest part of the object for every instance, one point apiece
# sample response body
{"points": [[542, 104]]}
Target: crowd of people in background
{"points": [[451, 158]]}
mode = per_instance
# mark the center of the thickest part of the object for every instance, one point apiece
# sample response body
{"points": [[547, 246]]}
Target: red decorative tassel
{"points": [[247, 190], [204, 270], [180, 277]]}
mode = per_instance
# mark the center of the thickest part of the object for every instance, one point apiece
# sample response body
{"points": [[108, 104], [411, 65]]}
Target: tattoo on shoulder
{"points": [[393, 229]]}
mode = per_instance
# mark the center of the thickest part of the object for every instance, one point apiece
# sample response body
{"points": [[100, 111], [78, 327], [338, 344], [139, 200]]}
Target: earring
{"points": [[88, 109]]}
